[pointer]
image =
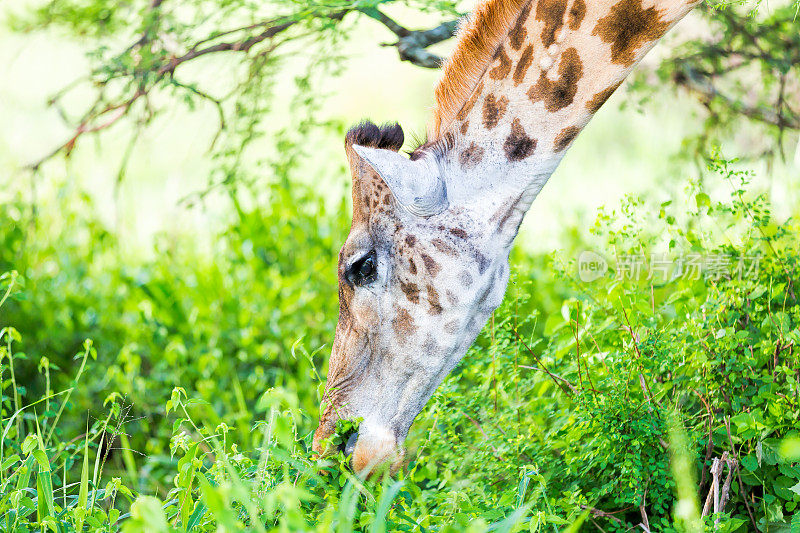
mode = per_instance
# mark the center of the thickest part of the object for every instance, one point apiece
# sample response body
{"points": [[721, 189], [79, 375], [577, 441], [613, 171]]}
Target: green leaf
{"points": [[44, 491], [758, 291], [197, 516], [9, 462], [750, 463], [41, 458], [83, 491], [147, 516], [25, 473]]}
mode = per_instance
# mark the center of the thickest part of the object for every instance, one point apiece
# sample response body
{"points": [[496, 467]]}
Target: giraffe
{"points": [[426, 260]]}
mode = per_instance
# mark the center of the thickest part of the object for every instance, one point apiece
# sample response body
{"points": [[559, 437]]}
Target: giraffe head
{"points": [[419, 274], [426, 261]]}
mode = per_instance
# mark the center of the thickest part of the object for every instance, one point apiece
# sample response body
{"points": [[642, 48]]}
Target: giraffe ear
{"points": [[416, 185]]}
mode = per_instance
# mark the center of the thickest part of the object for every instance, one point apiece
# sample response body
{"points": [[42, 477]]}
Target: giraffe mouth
{"points": [[348, 445]]}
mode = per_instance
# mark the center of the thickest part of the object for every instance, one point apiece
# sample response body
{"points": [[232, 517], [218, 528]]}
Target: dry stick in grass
{"points": [[648, 394], [643, 510], [557, 379], [719, 498], [713, 491], [726, 487], [739, 476], [599, 351], [598, 513]]}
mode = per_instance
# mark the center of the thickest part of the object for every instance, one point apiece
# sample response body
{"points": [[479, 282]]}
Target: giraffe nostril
{"points": [[350, 445]]}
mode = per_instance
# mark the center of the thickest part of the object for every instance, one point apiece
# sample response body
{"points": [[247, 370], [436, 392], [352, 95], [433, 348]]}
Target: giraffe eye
{"points": [[364, 270]]}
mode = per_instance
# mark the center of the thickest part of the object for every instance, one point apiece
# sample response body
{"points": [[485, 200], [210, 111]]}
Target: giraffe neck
{"points": [[558, 64]]}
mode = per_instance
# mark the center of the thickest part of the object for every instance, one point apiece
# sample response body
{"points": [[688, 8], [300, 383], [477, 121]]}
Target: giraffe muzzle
{"points": [[348, 447]]}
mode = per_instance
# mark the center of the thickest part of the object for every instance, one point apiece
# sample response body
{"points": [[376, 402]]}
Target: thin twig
{"points": [[485, 436], [557, 379], [642, 382]]}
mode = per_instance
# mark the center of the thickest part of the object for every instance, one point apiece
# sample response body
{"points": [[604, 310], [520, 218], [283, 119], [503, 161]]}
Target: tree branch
{"points": [[119, 111], [90, 122], [694, 82], [412, 44], [693, 72]]}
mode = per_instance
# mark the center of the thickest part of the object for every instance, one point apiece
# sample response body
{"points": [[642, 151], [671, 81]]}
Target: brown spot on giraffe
{"points": [[464, 127], [462, 114], [458, 232], [504, 213], [471, 156], [433, 301], [524, 62], [387, 200], [493, 110], [560, 93], [551, 13], [430, 345], [576, 14], [502, 209], [431, 265], [518, 33], [403, 324], [452, 298], [412, 267], [411, 291], [443, 247], [500, 71], [483, 263], [565, 137], [628, 27], [411, 240], [518, 144], [600, 98]]}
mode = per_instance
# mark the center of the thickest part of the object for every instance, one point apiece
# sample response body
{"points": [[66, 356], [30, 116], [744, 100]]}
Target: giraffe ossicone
{"points": [[426, 260], [417, 185]]}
